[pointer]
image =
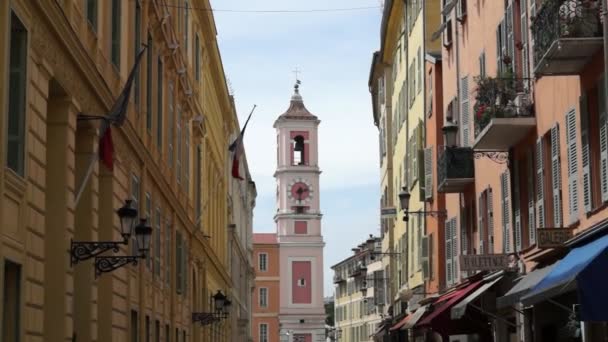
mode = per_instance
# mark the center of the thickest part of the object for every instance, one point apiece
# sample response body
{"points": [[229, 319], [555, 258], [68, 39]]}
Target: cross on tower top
{"points": [[297, 72]]}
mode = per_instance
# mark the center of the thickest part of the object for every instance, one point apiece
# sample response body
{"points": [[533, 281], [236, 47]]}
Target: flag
{"points": [[116, 116], [237, 149]]}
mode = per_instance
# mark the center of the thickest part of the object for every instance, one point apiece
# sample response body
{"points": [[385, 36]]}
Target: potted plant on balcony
{"points": [[579, 18], [494, 99]]}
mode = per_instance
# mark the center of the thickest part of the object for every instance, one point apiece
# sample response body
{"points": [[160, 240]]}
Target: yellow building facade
{"points": [[170, 157]]}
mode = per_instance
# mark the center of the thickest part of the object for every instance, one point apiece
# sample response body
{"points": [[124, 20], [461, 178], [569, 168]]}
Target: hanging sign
{"points": [[484, 262], [552, 237]]}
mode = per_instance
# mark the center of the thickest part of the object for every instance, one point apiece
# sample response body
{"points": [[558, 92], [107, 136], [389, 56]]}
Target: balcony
{"points": [[338, 278], [357, 271], [504, 112], [455, 169], [566, 34]]}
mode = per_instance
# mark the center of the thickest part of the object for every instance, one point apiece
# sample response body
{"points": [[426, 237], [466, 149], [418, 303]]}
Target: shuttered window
{"points": [[556, 179], [531, 195], [603, 140], [571, 141], [540, 186], [167, 251], [517, 230], [115, 33], [481, 219], [586, 155], [17, 89], [179, 271], [450, 247], [464, 114], [490, 219], [506, 212], [149, 109], [428, 173], [157, 243]]}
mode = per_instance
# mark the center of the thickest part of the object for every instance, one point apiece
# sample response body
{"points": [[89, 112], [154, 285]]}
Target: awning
{"points": [[522, 287], [585, 269], [415, 317], [401, 323], [447, 301], [459, 309]]}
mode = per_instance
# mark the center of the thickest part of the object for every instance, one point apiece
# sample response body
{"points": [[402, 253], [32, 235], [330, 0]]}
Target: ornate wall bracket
{"points": [[499, 157], [106, 264], [83, 250]]}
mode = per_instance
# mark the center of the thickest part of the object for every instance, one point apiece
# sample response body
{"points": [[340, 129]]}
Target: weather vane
{"points": [[297, 72]]}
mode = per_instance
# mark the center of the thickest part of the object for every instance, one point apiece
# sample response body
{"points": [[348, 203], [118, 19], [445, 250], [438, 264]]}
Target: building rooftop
{"points": [[296, 109], [265, 238]]}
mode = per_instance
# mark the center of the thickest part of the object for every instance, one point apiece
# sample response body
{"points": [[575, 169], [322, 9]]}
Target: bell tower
{"points": [[298, 222]]}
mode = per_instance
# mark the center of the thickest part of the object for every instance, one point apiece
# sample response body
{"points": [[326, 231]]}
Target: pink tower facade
{"points": [[298, 220]]}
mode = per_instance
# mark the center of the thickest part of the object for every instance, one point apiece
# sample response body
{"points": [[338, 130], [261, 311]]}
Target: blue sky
{"points": [[333, 50]]}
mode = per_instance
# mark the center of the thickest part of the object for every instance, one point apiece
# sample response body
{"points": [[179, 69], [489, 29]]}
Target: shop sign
{"points": [[388, 212], [484, 262], [552, 237]]}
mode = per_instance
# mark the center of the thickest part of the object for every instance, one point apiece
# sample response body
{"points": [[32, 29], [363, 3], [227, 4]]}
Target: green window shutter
{"points": [[428, 173], [556, 179], [571, 139], [586, 154]]}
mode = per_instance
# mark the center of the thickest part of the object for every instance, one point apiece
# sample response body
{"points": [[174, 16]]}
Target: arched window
{"points": [[298, 150]]}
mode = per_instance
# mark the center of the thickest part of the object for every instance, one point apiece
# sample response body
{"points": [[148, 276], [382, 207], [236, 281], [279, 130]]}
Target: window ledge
{"points": [[574, 224], [597, 209]]}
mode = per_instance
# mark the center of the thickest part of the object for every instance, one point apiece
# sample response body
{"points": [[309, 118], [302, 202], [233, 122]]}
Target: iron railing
{"points": [[501, 97], [338, 278], [564, 19], [455, 163]]}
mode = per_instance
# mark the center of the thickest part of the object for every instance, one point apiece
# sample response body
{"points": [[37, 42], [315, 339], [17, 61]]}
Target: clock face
{"points": [[300, 191]]}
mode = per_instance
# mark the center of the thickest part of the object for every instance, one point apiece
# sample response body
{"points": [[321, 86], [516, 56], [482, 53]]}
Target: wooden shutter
{"points": [[587, 195], [540, 186], [178, 262], [571, 138], [448, 252], [530, 193], [603, 139], [516, 206], [509, 45], [464, 113], [499, 52], [454, 249], [506, 213], [481, 208], [463, 229], [490, 218], [523, 6], [185, 272], [424, 251], [428, 173], [556, 179]]}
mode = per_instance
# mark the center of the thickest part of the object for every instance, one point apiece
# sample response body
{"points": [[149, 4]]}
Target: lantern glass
{"points": [[143, 233], [404, 199], [219, 300], [127, 215], [450, 134]]}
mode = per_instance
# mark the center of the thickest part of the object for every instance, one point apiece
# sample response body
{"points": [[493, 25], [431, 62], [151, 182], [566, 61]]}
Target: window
{"points": [[135, 198], [150, 222], [263, 262], [157, 238], [187, 162], [115, 46], [302, 282], [506, 211], [420, 70], [482, 64], [167, 333], [183, 335], [298, 150], [157, 331], [149, 84], [300, 227], [168, 254], [159, 105], [171, 122], [451, 251], [147, 328], [17, 80], [263, 332], [179, 271], [263, 297], [197, 190], [134, 327], [178, 133], [137, 31], [11, 308], [197, 58], [92, 13], [186, 28]]}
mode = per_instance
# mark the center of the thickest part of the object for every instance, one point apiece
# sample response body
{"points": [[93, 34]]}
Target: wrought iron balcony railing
{"points": [[559, 19], [455, 169], [338, 278], [357, 271], [501, 97]]}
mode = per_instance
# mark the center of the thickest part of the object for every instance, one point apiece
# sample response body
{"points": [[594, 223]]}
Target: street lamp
{"points": [[143, 233], [83, 250], [219, 310], [404, 201]]}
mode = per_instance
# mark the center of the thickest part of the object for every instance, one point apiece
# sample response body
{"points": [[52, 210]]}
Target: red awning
{"points": [[445, 302], [401, 323]]}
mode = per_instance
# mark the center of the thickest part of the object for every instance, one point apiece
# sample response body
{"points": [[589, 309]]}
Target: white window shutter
{"points": [[425, 257], [506, 213], [531, 201], [603, 139], [556, 179], [587, 195], [448, 252], [540, 184], [516, 206], [490, 223], [428, 173], [571, 138], [454, 250], [480, 222], [463, 230], [465, 115]]}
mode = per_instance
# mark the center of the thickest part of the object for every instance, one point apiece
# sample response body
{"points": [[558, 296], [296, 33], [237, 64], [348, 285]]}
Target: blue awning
{"points": [[584, 269]]}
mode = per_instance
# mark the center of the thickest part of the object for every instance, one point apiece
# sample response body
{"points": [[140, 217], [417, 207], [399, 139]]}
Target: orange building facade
{"points": [[266, 295]]}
